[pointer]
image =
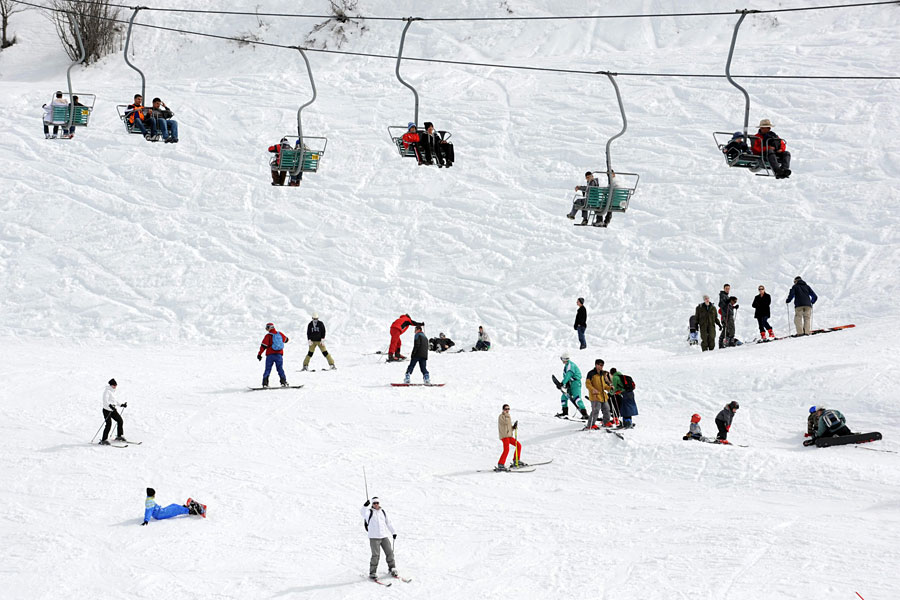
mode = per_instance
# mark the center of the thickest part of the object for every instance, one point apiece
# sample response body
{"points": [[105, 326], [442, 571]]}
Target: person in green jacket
{"points": [[624, 398], [832, 423], [707, 320], [570, 387]]}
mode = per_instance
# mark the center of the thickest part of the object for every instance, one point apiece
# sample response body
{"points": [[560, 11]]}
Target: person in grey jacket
{"points": [[723, 421], [165, 125], [380, 530], [419, 355], [582, 202]]}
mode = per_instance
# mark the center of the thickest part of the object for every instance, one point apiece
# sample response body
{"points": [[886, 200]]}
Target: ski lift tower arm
{"points": [[311, 100], [128, 42], [409, 21], [80, 58], [737, 26]]}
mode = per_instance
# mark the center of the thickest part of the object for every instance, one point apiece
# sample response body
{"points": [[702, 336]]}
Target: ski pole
{"points": [[787, 311], [366, 480], [104, 423], [516, 453]]}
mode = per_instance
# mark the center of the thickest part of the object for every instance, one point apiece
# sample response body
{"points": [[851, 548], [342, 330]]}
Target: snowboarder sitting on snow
{"points": [[440, 343], [623, 389], [484, 341], [695, 433], [419, 355], [506, 427], [570, 387], [766, 143], [273, 344], [110, 414], [380, 530], [826, 422], [152, 509], [398, 328], [723, 421], [736, 147]]}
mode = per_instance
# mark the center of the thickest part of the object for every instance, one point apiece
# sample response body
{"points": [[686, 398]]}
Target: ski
{"points": [[378, 581], [314, 370], [132, 442], [276, 387], [813, 332], [403, 579], [418, 384], [576, 419], [522, 470], [875, 449], [535, 464], [114, 445], [618, 433], [856, 438], [395, 360]]}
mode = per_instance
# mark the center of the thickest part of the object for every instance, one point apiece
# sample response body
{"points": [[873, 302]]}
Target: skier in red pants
{"points": [[398, 328], [506, 427]]}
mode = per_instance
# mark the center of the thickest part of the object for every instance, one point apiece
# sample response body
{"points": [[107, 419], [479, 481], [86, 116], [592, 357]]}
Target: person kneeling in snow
{"points": [[825, 422], [484, 341], [723, 421], [152, 509]]}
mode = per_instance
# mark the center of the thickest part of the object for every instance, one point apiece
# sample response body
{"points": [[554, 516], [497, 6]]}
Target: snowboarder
{"points": [[380, 530], [484, 341], [724, 295], [506, 427], [707, 320], [441, 343], [111, 413], [772, 148], [761, 312], [623, 388], [315, 335], [273, 344], [598, 383], [570, 387], [398, 328], [694, 433], [419, 355], [581, 203], [828, 423], [804, 297], [728, 321], [152, 509], [723, 421], [693, 331], [581, 322]]}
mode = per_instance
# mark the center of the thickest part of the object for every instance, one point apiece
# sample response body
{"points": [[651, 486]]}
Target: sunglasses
{"points": [[506, 408], [761, 289]]}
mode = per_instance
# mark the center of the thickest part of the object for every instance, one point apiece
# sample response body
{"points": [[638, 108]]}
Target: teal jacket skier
{"points": [[570, 387]]}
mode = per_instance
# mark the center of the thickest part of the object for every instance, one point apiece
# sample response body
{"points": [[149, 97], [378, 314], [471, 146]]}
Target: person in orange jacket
{"points": [[398, 328], [771, 147]]}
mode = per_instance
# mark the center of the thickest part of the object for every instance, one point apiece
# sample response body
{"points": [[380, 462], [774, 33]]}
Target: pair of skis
{"points": [[389, 583], [813, 332], [526, 468], [121, 444], [418, 384]]}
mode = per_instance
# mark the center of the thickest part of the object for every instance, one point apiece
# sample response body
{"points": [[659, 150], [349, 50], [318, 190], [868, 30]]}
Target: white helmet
{"points": [[564, 357]]}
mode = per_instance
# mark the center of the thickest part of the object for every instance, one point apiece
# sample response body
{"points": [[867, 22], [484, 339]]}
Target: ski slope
{"points": [[159, 265]]}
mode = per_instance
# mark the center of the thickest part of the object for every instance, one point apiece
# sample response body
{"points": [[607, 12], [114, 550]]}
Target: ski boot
{"points": [[104, 442], [373, 576], [305, 368], [584, 415], [771, 334], [394, 573], [608, 424], [284, 383], [427, 380], [563, 413], [406, 378], [121, 438], [518, 465], [500, 467], [265, 382], [332, 368]]}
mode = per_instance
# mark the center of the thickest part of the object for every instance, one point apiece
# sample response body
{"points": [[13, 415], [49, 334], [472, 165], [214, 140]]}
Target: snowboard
{"points": [[856, 438], [276, 387], [418, 384]]}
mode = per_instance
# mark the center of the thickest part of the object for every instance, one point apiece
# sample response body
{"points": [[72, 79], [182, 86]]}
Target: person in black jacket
{"points": [[728, 321], [419, 355], [164, 122], [723, 421], [315, 335], [804, 297], [707, 321], [441, 343], [761, 312], [581, 322], [724, 295]]}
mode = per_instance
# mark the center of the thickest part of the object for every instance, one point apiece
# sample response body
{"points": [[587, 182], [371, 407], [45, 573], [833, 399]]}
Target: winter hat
{"points": [[375, 500], [737, 134], [112, 382], [270, 326], [813, 409], [581, 300], [765, 123], [428, 124], [695, 418], [733, 405], [564, 356], [315, 316], [797, 278], [410, 124], [151, 492]]}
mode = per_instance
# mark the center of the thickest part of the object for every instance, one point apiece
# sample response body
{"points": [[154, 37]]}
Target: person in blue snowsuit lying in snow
{"points": [[152, 509]]}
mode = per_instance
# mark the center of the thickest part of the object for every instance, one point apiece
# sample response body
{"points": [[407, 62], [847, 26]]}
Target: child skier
{"points": [[695, 433], [152, 509], [723, 421], [570, 387], [273, 344]]}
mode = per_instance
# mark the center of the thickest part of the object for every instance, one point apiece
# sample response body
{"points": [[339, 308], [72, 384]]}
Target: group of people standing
{"points": [[273, 346], [707, 316]]}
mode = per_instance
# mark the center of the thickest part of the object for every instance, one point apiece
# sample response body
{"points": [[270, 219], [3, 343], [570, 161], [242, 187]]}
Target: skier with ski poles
{"points": [[380, 530], [273, 344], [570, 386], [110, 413], [598, 383], [507, 430]]}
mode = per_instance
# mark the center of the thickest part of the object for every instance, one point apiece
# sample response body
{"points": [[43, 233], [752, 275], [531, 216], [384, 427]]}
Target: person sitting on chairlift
{"points": [[582, 202], [414, 139], [138, 115], [163, 115], [735, 147], [772, 148], [435, 143], [613, 184], [278, 175]]}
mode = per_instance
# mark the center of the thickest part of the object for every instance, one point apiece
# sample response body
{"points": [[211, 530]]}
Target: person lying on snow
{"points": [[152, 509]]}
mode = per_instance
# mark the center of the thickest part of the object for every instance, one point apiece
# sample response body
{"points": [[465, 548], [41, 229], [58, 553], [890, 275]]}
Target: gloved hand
{"points": [[124, 405], [805, 435], [728, 428], [144, 523], [112, 407], [367, 503], [395, 536], [259, 357], [515, 425]]}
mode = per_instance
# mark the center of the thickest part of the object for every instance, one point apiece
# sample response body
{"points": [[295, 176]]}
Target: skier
{"points": [[152, 509], [724, 295], [828, 423], [623, 388], [398, 328], [110, 413], [419, 355], [441, 343], [694, 433], [484, 341], [804, 297], [728, 321], [598, 383], [315, 335], [766, 143], [506, 427], [273, 344], [708, 320], [379, 527], [581, 322], [723, 421], [570, 387], [761, 312]]}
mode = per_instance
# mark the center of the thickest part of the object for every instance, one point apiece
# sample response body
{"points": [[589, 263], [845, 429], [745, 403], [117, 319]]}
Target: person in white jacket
{"points": [[111, 413], [381, 530], [58, 100]]}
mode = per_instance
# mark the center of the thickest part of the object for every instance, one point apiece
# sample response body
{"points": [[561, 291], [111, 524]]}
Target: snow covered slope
{"points": [[159, 264]]}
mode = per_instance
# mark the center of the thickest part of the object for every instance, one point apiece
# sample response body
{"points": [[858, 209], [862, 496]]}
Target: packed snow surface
{"points": [[159, 264]]}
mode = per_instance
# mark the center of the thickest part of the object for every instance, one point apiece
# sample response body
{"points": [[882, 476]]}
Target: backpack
{"points": [[277, 341], [627, 383], [371, 511], [832, 421]]}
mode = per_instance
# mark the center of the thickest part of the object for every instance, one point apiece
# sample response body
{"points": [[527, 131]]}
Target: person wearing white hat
{"points": [[381, 531], [767, 143], [315, 335]]}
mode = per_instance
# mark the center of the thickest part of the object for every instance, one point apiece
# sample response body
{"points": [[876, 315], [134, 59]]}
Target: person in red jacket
{"points": [[398, 328], [772, 148], [277, 175], [412, 138], [273, 344]]}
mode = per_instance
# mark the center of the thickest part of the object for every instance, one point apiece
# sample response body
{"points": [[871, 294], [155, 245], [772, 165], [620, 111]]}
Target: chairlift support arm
{"points": [[127, 43], [612, 79], [737, 26], [409, 21], [311, 100], [77, 61]]}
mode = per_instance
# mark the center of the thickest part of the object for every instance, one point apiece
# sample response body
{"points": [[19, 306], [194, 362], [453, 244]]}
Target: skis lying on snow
{"points": [[277, 387], [840, 440], [418, 384], [813, 332]]}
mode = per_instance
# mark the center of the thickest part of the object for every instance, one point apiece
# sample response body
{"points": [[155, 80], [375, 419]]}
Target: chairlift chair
{"points": [[69, 115]]}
